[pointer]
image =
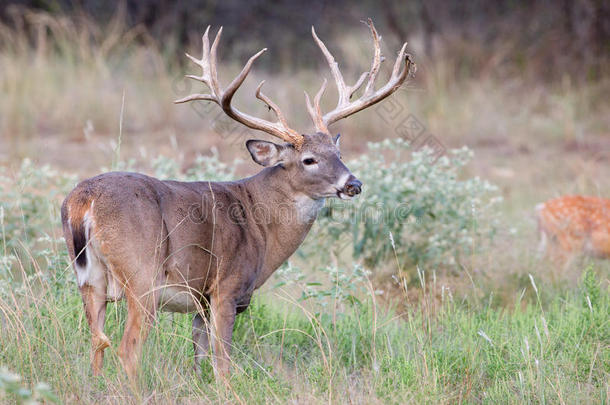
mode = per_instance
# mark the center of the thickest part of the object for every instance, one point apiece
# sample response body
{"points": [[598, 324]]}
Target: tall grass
{"points": [[441, 351]]}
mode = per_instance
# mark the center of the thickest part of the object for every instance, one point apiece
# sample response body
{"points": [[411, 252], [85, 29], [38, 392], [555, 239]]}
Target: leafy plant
{"points": [[12, 385], [434, 215], [29, 203], [205, 167], [329, 283]]}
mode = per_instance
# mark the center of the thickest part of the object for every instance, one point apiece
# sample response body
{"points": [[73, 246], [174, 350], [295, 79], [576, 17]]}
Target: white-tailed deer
{"points": [[575, 224], [204, 247]]}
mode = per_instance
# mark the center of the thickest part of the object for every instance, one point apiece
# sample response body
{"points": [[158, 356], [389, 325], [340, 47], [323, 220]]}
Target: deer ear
{"points": [[336, 140], [264, 153]]}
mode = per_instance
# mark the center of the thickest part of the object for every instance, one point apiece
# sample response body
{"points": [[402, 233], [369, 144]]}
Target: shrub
{"points": [[12, 385], [419, 208], [325, 284], [29, 203], [30, 224], [204, 168]]}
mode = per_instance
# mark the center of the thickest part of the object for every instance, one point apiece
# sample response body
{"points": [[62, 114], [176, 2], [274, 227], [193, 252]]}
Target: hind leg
{"points": [[141, 308], [94, 300]]}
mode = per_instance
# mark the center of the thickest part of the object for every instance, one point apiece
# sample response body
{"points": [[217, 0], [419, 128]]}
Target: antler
{"points": [[345, 107], [223, 98]]}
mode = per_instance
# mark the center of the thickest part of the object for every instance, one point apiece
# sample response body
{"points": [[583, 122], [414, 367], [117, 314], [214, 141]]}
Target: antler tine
{"points": [[209, 76], [370, 96], [397, 64], [376, 59], [205, 50], [315, 112], [234, 85], [358, 84], [212, 63], [334, 68], [271, 104]]}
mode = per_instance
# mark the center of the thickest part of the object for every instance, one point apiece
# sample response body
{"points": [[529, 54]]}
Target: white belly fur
{"points": [[176, 299]]}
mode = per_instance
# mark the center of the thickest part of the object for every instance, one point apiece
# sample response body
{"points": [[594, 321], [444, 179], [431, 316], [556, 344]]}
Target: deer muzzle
{"points": [[352, 187]]}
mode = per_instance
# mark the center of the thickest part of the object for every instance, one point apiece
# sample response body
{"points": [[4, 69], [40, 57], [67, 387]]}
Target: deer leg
{"points": [[542, 245], [140, 315], [94, 301], [201, 338], [223, 319]]}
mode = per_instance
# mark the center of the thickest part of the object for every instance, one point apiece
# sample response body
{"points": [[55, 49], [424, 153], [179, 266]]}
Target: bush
{"points": [[12, 385], [418, 208], [29, 203], [204, 168]]}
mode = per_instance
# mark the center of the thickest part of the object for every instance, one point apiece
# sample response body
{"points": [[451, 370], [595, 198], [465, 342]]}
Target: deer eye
{"points": [[309, 161]]}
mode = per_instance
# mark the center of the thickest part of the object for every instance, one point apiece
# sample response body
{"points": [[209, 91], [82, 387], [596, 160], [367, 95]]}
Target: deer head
{"points": [[313, 162]]}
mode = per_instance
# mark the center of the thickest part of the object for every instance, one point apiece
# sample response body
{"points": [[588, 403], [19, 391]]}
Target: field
{"points": [[450, 305]]}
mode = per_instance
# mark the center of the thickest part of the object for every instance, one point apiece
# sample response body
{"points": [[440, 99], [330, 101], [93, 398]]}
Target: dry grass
{"points": [[62, 75]]}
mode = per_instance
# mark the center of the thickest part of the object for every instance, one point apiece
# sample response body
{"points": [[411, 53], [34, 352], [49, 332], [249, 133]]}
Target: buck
{"points": [[575, 224], [204, 247]]}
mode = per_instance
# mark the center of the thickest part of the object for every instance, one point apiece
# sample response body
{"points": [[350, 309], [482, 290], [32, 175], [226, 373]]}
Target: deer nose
{"points": [[353, 187]]}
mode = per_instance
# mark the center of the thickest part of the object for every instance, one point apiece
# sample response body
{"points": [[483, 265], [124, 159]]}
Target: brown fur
{"points": [[576, 224]]}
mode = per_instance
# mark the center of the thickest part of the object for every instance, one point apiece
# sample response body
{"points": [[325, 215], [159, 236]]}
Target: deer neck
{"points": [[288, 214], [284, 205]]}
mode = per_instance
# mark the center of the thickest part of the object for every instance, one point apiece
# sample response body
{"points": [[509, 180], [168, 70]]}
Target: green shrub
{"points": [[11, 386], [29, 203], [417, 207], [325, 284], [205, 167], [30, 227]]}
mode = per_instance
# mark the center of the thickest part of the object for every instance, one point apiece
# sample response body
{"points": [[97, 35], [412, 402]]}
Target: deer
{"points": [[204, 247], [575, 224]]}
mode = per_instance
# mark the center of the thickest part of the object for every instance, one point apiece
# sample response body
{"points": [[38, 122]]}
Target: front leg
{"points": [[201, 338], [223, 314]]}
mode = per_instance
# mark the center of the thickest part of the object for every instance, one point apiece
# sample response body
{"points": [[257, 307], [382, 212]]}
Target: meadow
{"points": [[445, 302]]}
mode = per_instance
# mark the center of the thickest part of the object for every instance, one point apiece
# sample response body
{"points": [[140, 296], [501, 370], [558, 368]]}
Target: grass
{"points": [[440, 351]]}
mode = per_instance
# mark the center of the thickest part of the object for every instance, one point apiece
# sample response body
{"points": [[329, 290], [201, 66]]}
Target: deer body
{"points": [[205, 247], [576, 224], [182, 246]]}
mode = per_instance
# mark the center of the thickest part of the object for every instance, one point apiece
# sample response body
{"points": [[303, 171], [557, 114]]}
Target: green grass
{"points": [[438, 351]]}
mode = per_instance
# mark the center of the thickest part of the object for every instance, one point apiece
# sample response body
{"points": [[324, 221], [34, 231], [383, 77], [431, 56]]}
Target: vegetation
{"points": [[321, 334], [439, 351], [431, 215], [437, 297]]}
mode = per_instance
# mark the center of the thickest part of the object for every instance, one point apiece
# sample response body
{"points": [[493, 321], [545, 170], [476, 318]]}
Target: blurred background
{"points": [[504, 75]]}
